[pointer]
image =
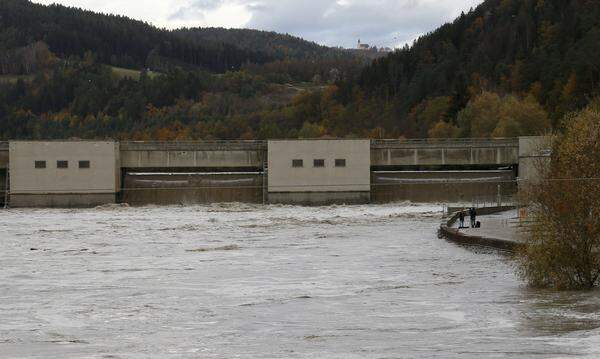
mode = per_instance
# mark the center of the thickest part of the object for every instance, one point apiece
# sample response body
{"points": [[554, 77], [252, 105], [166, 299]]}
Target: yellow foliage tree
{"points": [[443, 129], [489, 115], [563, 247]]}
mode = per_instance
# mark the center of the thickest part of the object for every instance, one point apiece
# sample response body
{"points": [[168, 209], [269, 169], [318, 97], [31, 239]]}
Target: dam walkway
{"points": [[500, 228]]}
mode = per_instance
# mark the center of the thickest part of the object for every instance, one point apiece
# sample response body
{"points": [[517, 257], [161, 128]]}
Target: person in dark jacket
{"points": [[461, 218], [473, 214]]}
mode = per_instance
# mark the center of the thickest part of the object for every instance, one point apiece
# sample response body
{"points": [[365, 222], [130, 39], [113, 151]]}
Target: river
{"points": [[245, 281]]}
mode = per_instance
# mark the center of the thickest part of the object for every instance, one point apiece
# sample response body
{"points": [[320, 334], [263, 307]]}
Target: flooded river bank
{"points": [[240, 281]]}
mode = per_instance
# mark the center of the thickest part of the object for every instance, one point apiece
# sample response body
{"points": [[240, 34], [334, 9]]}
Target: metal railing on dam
{"points": [[446, 143], [192, 145], [445, 152]]}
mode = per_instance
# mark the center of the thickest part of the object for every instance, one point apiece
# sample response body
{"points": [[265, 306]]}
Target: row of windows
{"points": [[62, 164], [318, 163]]}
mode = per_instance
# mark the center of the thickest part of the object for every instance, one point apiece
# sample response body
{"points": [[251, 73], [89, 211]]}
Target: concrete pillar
{"points": [[472, 161], [416, 157]]}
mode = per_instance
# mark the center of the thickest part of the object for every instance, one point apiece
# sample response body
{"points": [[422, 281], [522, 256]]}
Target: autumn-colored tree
{"points": [[521, 118], [480, 117], [428, 113], [443, 129], [377, 133], [490, 115], [563, 246], [311, 130]]}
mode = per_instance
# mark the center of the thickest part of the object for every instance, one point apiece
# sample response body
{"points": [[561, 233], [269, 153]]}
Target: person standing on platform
{"points": [[473, 214]]}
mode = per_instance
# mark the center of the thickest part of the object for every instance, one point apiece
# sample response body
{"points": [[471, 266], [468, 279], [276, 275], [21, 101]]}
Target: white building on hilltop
{"points": [[362, 46]]}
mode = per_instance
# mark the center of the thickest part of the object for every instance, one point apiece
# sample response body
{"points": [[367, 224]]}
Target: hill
{"points": [[507, 68], [114, 40], [66, 72], [274, 45], [548, 50]]}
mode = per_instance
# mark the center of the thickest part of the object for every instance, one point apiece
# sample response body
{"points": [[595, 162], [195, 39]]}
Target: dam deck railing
{"points": [[445, 143], [191, 145], [262, 144]]}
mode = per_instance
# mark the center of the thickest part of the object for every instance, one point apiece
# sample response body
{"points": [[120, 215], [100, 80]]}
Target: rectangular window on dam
{"points": [[319, 163], [297, 163], [62, 164], [84, 164], [340, 163], [40, 164]]}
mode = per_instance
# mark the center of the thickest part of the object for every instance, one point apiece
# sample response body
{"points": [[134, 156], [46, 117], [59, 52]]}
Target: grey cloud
{"points": [[335, 22], [195, 9]]}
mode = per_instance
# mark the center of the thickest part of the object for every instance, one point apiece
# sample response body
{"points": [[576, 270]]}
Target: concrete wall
{"points": [[62, 200], [286, 184], [443, 186], [192, 188], [223, 154], [354, 177], [534, 154], [459, 152], [320, 198], [72, 186]]}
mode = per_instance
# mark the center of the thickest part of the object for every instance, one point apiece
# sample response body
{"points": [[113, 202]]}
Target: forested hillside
{"points": [[540, 51], [507, 68], [276, 46], [114, 40]]}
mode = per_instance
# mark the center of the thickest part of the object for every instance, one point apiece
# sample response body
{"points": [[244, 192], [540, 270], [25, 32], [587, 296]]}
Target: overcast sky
{"points": [[328, 22]]}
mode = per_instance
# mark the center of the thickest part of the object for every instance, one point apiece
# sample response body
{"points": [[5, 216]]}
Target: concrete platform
{"points": [[501, 226], [498, 230]]}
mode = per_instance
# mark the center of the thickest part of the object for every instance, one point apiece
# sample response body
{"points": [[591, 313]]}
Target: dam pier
{"points": [[312, 172]]}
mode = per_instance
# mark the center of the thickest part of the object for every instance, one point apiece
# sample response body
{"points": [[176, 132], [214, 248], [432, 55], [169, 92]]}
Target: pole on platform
{"points": [[7, 189], [499, 196]]}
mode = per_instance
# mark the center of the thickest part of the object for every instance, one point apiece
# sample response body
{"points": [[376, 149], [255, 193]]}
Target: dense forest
{"points": [[541, 51], [274, 45], [115, 40], [506, 68]]}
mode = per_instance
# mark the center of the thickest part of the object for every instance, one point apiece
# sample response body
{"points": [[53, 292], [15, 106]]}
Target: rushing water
{"points": [[239, 281]]}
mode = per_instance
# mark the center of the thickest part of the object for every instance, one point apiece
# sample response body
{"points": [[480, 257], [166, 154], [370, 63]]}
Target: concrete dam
{"points": [[89, 173]]}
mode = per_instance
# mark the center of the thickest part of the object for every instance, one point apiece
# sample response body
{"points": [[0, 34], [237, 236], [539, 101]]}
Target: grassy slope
{"points": [[132, 74], [14, 78]]}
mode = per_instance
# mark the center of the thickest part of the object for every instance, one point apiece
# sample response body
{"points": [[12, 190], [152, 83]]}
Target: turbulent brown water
{"points": [[238, 281]]}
